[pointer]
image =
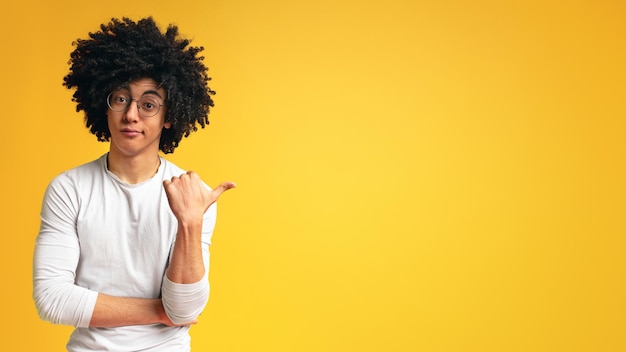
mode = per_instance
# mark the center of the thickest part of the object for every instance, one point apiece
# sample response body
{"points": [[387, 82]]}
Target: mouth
{"points": [[130, 132]]}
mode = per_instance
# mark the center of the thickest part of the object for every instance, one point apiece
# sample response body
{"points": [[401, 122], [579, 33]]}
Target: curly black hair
{"points": [[124, 51]]}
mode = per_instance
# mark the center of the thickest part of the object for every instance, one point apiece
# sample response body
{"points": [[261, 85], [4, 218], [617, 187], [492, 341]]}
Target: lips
{"points": [[130, 132]]}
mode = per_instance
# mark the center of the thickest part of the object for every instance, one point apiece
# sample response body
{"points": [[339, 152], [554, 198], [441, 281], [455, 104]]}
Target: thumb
{"points": [[223, 187]]}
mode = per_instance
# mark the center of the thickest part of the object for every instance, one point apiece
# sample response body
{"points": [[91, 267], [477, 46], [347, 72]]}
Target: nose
{"points": [[132, 111]]}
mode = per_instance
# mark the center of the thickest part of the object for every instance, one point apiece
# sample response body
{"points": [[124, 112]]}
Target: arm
{"points": [[56, 256], [111, 311], [185, 286], [57, 251]]}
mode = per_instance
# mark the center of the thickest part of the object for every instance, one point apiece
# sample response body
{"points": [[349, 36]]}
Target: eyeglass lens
{"points": [[148, 105]]}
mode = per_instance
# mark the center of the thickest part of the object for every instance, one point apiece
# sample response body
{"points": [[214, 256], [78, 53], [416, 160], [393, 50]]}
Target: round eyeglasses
{"points": [[147, 106]]}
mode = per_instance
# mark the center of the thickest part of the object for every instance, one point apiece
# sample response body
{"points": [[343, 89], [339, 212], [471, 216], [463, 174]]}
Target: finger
{"points": [[191, 174], [223, 187], [168, 182]]}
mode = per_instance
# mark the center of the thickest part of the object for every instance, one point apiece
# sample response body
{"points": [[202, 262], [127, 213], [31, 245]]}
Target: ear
{"points": [[167, 125]]}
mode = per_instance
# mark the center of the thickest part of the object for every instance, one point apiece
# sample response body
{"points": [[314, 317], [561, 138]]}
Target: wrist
{"points": [[162, 317], [190, 227]]}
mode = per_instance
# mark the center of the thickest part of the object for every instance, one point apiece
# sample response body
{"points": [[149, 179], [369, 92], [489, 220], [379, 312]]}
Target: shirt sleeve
{"points": [[57, 251], [183, 303]]}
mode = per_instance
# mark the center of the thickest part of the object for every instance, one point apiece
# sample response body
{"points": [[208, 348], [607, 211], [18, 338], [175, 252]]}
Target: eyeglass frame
{"points": [[128, 106]]}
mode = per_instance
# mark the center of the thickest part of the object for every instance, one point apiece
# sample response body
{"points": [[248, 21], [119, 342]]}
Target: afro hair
{"points": [[124, 51]]}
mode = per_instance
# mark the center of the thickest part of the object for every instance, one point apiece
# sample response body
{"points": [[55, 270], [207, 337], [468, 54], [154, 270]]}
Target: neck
{"points": [[133, 169]]}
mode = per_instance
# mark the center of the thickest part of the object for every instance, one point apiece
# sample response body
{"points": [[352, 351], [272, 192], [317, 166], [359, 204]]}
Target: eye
{"points": [[119, 98], [149, 104], [118, 101]]}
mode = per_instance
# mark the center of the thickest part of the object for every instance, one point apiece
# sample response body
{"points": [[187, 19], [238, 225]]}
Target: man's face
{"points": [[136, 118]]}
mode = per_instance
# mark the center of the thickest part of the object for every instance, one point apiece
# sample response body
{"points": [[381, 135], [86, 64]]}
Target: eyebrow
{"points": [[148, 92], [153, 92]]}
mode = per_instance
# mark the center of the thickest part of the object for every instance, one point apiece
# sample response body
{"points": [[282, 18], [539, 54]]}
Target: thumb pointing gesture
{"points": [[189, 198]]}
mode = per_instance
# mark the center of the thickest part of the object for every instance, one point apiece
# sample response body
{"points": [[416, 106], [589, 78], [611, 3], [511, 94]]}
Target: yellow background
{"points": [[413, 175]]}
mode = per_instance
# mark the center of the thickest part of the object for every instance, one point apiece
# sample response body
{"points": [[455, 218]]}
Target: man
{"points": [[123, 248]]}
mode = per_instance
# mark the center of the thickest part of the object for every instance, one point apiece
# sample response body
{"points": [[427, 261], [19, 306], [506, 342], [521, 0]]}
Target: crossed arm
{"points": [[189, 199], [58, 299]]}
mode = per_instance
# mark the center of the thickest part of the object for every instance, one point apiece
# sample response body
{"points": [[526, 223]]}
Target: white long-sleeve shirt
{"points": [[101, 235]]}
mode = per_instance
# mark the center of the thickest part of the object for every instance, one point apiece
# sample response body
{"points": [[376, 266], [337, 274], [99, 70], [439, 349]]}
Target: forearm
{"points": [[111, 311], [185, 289], [186, 263]]}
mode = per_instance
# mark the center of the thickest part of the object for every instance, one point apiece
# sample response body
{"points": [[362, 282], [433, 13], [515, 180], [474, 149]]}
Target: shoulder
{"points": [[86, 172], [96, 166]]}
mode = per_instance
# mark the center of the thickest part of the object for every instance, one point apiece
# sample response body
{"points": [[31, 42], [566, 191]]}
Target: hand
{"points": [[189, 198], [168, 322]]}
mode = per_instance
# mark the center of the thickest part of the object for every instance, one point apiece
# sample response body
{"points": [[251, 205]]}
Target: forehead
{"points": [[144, 86]]}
